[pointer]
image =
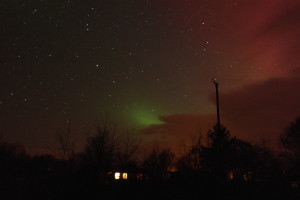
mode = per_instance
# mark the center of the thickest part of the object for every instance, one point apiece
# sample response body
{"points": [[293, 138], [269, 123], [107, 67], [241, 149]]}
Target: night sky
{"points": [[147, 65]]}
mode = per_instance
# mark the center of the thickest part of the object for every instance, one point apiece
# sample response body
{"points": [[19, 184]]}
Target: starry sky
{"points": [[147, 65]]}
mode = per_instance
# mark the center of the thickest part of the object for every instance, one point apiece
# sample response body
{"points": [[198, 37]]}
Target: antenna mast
{"points": [[217, 102]]}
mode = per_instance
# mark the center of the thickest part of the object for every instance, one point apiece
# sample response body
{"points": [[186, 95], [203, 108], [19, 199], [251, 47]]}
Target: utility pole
{"points": [[217, 101]]}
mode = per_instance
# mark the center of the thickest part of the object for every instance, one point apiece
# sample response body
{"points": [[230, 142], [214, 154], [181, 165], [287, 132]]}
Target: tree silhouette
{"points": [[192, 155], [218, 154], [128, 147], [290, 141], [66, 145], [157, 163], [266, 166], [13, 162], [101, 148], [225, 154]]}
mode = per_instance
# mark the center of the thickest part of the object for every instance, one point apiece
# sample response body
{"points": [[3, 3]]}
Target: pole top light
{"points": [[214, 80]]}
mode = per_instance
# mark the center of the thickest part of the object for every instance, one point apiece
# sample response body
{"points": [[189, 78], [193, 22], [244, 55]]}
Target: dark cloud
{"points": [[178, 129], [262, 110], [254, 113]]}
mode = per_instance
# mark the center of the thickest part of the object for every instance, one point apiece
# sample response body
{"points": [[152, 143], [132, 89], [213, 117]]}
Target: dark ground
{"points": [[47, 189]]}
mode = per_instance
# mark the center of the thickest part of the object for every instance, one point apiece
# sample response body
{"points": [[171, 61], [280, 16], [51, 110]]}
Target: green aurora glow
{"points": [[143, 116]]}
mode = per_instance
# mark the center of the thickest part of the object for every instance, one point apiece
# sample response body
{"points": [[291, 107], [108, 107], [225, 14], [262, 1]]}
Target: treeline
{"points": [[215, 163]]}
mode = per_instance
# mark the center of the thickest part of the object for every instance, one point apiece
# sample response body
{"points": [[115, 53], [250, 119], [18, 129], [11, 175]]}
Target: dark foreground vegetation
{"points": [[214, 166]]}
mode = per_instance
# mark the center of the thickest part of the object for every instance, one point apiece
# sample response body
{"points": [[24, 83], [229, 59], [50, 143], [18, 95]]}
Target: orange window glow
{"points": [[124, 176]]}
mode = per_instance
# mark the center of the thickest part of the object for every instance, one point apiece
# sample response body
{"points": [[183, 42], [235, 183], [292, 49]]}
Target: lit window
{"points": [[247, 176], [230, 175], [124, 175], [117, 175]]}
